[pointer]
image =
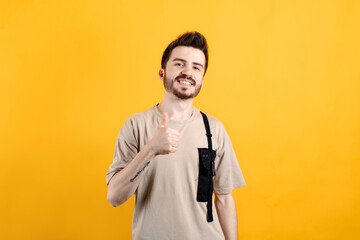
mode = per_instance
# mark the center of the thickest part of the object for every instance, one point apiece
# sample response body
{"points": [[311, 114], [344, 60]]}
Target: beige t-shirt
{"points": [[165, 205]]}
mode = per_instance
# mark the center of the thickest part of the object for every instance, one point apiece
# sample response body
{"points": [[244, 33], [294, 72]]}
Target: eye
{"points": [[178, 64], [197, 68]]}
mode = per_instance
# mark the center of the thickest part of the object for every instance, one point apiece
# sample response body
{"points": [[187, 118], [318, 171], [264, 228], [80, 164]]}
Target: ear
{"points": [[161, 74]]}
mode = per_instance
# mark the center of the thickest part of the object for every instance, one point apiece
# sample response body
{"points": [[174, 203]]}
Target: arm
{"points": [[226, 210], [125, 182], [120, 187]]}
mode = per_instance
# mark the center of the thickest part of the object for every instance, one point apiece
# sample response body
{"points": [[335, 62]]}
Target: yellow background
{"points": [[283, 77]]}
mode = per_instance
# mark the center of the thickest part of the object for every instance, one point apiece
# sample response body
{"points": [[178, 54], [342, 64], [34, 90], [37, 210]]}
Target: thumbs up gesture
{"points": [[165, 140]]}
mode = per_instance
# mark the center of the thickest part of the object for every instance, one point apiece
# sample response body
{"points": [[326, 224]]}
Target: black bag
{"points": [[206, 172]]}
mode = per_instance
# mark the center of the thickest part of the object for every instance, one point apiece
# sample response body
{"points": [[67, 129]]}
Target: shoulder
{"points": [[143, 116], [137, 121], [215, 123], [217, 129]]}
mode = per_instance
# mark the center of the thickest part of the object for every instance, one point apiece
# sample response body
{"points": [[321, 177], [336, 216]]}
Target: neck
{"points": [[177, 109]]}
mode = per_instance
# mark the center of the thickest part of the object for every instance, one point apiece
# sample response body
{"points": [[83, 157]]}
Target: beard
{"points": [[169, 86]]}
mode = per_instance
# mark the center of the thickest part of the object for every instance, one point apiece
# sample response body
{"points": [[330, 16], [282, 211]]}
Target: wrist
{"points": [[151, 149]]}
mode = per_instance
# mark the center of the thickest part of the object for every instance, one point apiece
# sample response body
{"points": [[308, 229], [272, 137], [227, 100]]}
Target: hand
{"points": [[165, 140]]}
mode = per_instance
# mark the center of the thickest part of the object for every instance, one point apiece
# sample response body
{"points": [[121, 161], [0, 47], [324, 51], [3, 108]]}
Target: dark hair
{"points": [[188, 39]]}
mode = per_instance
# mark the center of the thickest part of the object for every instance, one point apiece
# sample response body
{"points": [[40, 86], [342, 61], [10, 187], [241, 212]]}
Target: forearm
{"points": [[226, 210], [124, 183]]}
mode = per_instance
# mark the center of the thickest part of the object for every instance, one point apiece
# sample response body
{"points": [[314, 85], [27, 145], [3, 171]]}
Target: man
{"points": [[168, 158]]}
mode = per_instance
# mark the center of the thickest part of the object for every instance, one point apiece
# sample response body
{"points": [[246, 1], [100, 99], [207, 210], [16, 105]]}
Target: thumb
{"points": [[165, 119]]}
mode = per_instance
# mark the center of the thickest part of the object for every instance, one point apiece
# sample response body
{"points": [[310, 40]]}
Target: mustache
{"points": [[184, 76]]}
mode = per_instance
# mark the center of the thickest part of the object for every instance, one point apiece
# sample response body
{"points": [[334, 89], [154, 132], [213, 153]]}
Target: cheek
{"points": [[201, 80], [173, 73], [199, 76]]}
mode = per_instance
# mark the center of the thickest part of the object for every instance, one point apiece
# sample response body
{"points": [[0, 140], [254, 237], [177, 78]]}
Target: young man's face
{"points": [[184, 73]]}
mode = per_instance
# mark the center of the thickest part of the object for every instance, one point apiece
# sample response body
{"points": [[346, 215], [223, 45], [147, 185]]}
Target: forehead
{"points": [[189, 54]]}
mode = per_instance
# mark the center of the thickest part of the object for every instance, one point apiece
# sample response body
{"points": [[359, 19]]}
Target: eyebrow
{"points": [[183, 60]]}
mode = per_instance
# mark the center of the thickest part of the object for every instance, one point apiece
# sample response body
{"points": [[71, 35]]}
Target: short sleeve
{"points": [[126, 148], [228, 173]]}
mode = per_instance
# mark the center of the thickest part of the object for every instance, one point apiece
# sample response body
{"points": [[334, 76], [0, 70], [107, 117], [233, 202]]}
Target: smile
{"points": [[187, 82], [184, 82]]}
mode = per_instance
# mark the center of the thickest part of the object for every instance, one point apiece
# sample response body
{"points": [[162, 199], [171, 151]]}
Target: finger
{"points": [[172, 135], [165, 119], [173, 131], [172, 149], [173, 142], [175, 139]]}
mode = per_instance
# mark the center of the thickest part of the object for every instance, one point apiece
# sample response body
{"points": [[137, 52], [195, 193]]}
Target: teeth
{"points": [[185, 82]]}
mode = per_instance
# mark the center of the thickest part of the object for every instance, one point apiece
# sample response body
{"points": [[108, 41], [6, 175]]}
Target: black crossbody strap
{"points": [[212, 168], [207, 127], [209, 135]]}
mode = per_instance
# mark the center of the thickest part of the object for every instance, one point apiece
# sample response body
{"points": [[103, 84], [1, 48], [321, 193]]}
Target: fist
{"points": [[165, 140]]}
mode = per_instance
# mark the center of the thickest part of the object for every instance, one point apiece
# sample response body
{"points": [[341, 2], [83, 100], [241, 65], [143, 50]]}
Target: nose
{"points": [[187, 70]]}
